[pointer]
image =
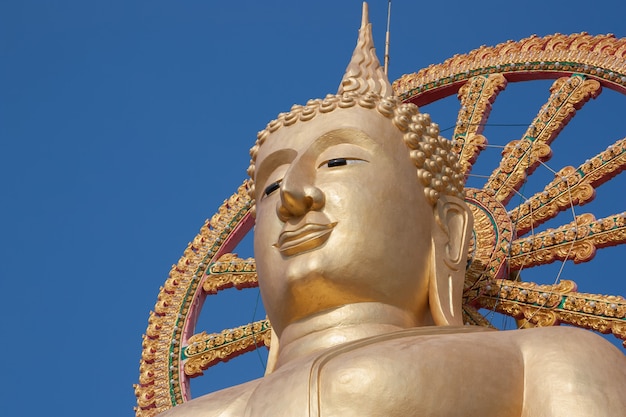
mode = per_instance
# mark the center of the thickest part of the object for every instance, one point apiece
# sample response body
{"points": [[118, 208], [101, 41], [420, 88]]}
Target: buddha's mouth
{"points": [[303, 239]]}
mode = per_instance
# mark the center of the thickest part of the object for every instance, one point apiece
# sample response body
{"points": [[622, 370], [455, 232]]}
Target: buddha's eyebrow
{"points": [[327, 140], [341, 136], [271, 162]]}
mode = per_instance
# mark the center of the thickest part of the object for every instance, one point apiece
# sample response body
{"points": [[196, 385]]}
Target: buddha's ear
{"points": [[451, 235], [273, 355]]}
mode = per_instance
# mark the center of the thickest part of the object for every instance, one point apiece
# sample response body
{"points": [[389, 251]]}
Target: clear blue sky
{"points": [[125, 124]]}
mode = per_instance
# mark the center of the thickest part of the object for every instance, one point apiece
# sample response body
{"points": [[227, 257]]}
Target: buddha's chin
{"points": [[311, 288]]}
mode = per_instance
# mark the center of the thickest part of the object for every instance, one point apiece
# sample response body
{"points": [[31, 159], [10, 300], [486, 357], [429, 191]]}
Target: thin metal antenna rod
{"points": [[387, 38]]}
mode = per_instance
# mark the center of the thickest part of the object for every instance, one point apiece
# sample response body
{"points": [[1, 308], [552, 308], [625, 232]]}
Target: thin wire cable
{"points": [[477, 176], [570, 248], [256, 306], [488, 125], [532, 229], [387, 38]]}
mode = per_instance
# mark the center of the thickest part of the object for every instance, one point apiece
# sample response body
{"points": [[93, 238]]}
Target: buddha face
{"points": [[341, 218]]}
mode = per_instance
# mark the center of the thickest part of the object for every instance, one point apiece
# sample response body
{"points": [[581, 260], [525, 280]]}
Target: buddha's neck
{"points": [[341, 325]]}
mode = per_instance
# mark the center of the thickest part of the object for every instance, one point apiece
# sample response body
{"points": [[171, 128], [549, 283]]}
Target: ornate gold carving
{"points": [[230, 271], [490, 245], [548, 305], [605, 165], [610, 306], [476, 97], [525, 300], [570, 187], [577, 241], [159, 386], [521, 157], [204, 350], [598, 57], [567, 189]]}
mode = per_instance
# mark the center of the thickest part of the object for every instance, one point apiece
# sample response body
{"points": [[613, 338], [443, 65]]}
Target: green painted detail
{"points": [[578, 70], [264, 326], [499, 233], [591, 233], [172, 368]]}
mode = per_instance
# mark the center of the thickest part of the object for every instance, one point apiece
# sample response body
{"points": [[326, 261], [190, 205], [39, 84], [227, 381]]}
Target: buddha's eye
{"points": [[338, 162], [271, 188]]}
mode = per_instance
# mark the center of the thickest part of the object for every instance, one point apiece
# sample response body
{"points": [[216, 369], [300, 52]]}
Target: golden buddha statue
{"points": [[361, 246]]}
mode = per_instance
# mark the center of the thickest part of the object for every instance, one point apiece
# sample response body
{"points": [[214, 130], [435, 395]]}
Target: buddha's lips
{"points": [[303, 239]]}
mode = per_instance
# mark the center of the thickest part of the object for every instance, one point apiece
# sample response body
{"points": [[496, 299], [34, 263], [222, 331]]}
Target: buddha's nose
{"points": [[298, 195]]}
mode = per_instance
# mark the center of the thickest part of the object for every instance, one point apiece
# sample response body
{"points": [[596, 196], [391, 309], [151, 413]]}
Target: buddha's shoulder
{"points": [[224, 403], [567, 343], [586, 372], [533, 339], [538, 344], [546, 338]]}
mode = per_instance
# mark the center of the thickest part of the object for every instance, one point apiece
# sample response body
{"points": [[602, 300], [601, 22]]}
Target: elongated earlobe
{"points": [[451, 236], [273, 355]]}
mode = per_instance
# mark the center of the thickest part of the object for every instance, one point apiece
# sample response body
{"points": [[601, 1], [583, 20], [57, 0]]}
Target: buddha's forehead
{"points": [[301, 135]]}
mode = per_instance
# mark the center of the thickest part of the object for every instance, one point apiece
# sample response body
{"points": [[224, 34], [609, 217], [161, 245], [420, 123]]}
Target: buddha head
{"points": [[358, 199]]}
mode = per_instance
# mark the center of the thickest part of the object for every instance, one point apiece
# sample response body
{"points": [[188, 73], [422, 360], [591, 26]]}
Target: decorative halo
{"points": [[504, 241]]}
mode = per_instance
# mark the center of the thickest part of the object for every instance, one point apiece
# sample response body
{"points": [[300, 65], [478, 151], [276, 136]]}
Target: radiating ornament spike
{"points": [[476, 97], [571, 186], [520, 158], [203, 350], [547, 305], [575, 241], [230, 271]]}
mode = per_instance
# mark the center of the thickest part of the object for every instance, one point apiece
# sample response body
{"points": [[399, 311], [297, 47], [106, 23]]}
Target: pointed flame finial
{"points": [[364, 73]]}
